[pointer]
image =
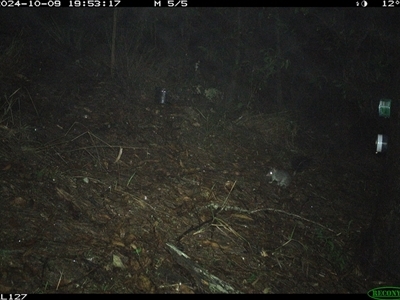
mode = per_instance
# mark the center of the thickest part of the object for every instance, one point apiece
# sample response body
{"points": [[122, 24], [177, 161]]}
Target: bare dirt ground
{"points": [[102, 189]]}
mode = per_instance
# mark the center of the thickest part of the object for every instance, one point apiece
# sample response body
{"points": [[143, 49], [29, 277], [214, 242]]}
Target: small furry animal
{"points": [[282, 177]]}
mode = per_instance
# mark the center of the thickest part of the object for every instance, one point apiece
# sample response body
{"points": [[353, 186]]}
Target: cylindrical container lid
{"points": [[163, 96], [381, 143]]}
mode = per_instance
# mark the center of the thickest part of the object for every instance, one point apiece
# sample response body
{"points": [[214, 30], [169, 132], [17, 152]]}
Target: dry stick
{"points": [[107, 145], [225, 208], [226, 198], [8, 107], [97, 149], [59, 280], [119, 155], [33, 104], [297, 216]]}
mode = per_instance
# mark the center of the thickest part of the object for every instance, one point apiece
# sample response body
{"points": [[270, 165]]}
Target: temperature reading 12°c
{"points": [[390, 3]]}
